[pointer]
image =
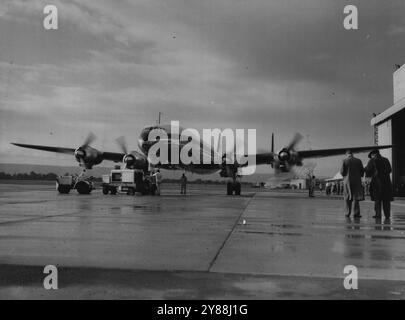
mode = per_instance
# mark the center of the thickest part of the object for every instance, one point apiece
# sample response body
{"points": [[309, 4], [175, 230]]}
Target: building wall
{"points": [[385, 137], [390, 129], [299, 183], [399, 84]]}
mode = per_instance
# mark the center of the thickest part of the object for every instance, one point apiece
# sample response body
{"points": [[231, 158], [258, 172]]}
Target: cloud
{"points": [[275, 66], [397, 30]]}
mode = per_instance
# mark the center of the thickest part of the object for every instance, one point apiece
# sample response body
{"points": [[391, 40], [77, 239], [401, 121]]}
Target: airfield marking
{"points": [[229, 234]]}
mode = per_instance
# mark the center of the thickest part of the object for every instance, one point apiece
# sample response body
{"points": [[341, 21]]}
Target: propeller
{"points": [[89, 139], [284, 157], [81, 153], [129, 159], [122, 144], [297, 139]]}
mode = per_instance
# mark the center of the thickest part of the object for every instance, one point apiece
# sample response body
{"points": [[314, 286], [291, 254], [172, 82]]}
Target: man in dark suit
{"points": [[379, 169], [352, 171]]}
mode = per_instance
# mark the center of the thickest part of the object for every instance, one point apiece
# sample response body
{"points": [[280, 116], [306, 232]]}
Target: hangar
{"points": [[389, 128]]}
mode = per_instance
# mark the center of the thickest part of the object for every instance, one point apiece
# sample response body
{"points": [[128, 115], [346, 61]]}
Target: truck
{"points": [[129, 181], [66, 183]]}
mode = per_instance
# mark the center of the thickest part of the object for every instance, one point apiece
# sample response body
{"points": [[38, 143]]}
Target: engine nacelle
{"points": [[135, 160], [287, 158], [88, 156], [284, 155]]}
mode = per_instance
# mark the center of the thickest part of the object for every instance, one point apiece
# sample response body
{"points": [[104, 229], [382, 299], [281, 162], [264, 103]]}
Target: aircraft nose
{"points": [[145, 134], [143, 139]]}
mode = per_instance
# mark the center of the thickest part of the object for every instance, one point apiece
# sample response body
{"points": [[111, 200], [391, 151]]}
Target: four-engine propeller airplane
{"points": [[281, 161]]}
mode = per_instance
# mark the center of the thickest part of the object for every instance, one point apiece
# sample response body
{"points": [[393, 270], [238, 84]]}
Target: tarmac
{"points": [[264, 244]]}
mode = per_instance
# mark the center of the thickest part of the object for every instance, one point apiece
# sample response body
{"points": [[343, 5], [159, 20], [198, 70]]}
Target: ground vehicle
{"points": [[66, 183], [129, 181]]}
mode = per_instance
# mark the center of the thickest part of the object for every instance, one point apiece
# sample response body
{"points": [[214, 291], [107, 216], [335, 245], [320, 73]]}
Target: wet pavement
{"points": [[262, 245]]}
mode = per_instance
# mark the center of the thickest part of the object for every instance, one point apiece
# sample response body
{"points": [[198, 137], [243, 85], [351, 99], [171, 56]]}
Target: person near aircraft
{"points": [[312, 184], [158, 179], [183, 184], [379, 169], [352, 171], [328, 188]]}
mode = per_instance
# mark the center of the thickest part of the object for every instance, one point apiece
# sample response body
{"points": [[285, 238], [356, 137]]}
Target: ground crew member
{"points": [[328, 188], [158, 180], [312, 183], [183, 184]]}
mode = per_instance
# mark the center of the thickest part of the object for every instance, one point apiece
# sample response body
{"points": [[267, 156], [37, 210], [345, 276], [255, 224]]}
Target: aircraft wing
{"points": [[335, 152], [265, 158], [112, 156], [46, 148]]}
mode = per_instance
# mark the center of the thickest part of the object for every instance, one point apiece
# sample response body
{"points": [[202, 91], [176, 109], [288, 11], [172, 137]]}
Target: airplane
{"points": [[281, 161]]}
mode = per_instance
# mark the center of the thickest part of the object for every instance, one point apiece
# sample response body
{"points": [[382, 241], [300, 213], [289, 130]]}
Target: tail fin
{"points": [[272, 147]]}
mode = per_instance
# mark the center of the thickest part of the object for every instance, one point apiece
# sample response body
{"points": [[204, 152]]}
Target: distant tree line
{"points": [[28, 176], [201, 181], [197, 181]]}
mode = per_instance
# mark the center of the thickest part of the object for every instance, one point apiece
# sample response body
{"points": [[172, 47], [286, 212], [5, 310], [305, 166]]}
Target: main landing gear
{"points": [[232, 187]]}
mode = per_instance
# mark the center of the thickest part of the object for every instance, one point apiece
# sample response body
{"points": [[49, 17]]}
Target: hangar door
{"points": [[398, 153]]}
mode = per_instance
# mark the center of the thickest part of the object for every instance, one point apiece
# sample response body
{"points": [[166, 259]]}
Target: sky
{"points": [[274, 66]]}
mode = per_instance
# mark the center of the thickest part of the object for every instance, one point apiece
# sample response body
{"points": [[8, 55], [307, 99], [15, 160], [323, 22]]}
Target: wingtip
{"points": [[17, 144]]}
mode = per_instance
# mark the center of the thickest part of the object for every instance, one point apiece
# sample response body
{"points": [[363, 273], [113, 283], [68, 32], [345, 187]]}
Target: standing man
{"points": [[312, 184], [158, 179], [183, 184], [379, 169], [327, 188], [352, 171]]}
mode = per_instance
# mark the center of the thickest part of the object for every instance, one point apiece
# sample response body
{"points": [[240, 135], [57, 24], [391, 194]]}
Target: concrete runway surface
{"points": [[204, 245]]}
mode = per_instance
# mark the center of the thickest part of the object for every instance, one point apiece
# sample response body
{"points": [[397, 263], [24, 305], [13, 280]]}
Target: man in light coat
{"points": [[352, 171], [158, 180]]}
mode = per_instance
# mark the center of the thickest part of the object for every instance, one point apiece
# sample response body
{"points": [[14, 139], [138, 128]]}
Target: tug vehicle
{"points": [[66, 183]]}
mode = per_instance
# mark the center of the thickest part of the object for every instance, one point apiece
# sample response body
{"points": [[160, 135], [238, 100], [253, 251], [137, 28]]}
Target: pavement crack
{"points": [[35, 219]]}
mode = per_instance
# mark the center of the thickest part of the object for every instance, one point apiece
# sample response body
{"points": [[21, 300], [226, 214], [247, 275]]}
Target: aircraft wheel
{"points": [[131, 191], [113, 191], [229, 188], [83, 187], [105, 190], [64, 189]]}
